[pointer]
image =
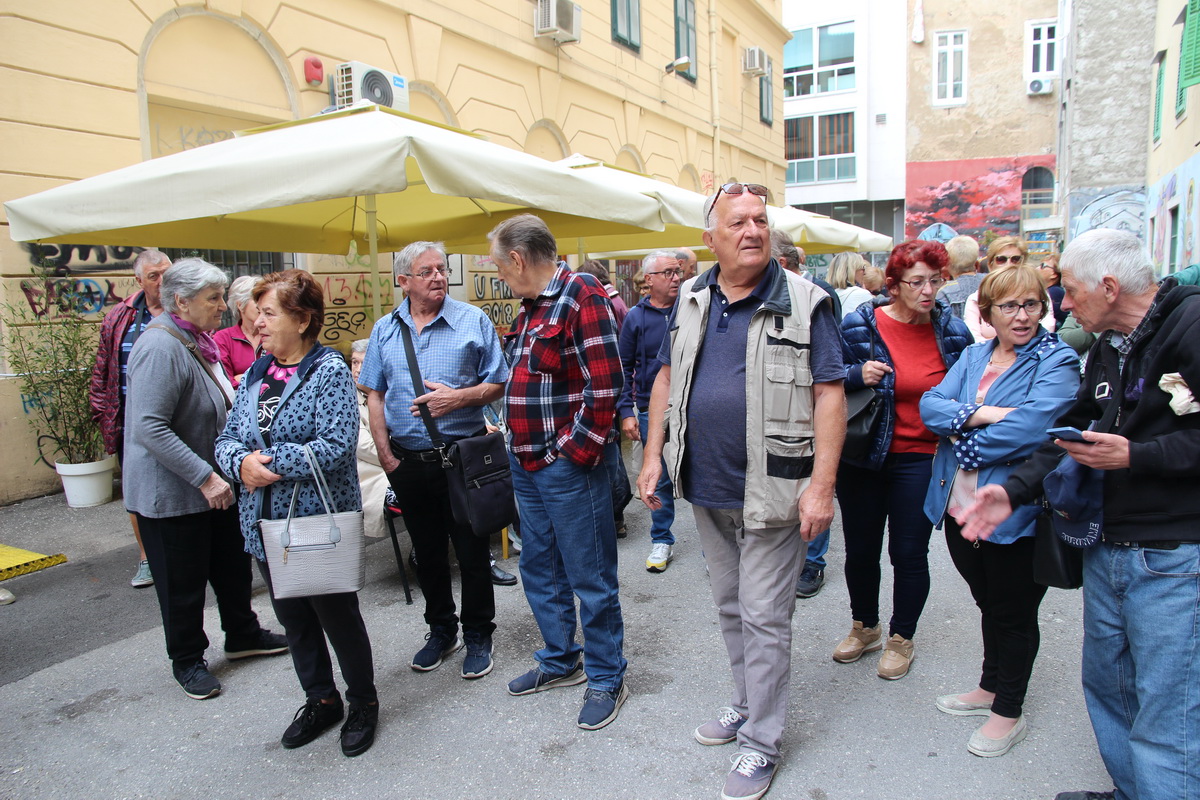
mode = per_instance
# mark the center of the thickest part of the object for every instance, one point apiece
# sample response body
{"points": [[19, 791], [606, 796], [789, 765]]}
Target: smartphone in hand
{"points": [[1068, 434]]}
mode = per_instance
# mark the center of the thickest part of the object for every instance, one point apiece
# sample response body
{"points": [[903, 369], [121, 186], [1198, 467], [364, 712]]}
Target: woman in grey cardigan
{"points": [[302, 394], [177, 401]]}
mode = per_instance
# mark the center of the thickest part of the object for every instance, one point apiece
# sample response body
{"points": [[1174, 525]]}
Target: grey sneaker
{"points": [[721, 730], [750, 777], [143, 576]]}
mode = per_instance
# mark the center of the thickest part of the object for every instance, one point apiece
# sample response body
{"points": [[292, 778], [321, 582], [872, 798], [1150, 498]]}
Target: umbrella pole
{"points": [[373, 242]]}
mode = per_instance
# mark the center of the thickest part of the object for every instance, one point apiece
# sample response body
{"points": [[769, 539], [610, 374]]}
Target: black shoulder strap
{"points": [[414, 372]]}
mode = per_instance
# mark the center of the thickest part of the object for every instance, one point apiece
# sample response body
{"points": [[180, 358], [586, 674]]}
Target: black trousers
{"points": [[307, 621], [1001, 580], [186, 554], [424, 498]]}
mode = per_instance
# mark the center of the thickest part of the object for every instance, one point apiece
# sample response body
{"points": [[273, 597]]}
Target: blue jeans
{"points": [[569, 550], [1141, 667], [817, 549], [662, 518]]}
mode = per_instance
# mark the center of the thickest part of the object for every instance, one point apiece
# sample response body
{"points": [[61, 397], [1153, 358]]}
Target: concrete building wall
{"points": [[1107, 92], [967, 155], [90, 87]]}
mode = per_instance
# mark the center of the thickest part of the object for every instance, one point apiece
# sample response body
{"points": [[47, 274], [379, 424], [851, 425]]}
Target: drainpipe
{"points": [[714, 73]]}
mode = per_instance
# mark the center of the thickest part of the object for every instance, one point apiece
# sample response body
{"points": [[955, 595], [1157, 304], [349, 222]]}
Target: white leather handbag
{"points": [[322, 554]]}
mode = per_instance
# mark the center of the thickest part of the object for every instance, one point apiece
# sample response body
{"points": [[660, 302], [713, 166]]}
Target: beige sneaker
{"points": [[861, 640], [898, 655]]}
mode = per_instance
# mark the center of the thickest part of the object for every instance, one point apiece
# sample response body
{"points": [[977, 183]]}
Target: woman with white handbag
{"points": [[290, 442]]}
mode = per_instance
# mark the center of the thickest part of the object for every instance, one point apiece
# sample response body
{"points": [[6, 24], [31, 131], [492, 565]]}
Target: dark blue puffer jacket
{"points": [[859, 331]]}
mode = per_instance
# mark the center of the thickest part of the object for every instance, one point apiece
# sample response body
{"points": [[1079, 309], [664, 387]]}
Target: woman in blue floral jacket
{"points": [[301, 393], [992, 411]]}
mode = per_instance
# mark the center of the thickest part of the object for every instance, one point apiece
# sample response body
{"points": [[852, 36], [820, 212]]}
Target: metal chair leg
{"points": [[390, 518]]}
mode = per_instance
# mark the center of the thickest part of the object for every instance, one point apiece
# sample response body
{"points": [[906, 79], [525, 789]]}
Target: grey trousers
{"points": [[753, 574]]}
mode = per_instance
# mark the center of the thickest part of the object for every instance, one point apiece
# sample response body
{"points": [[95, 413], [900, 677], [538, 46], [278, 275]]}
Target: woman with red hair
{"points": [[901, 345]]}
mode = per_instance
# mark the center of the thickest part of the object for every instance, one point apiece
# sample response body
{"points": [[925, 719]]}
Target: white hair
{"points": [[359, 345], [402, 263], [241, 291], [187, 278], [148, 258], [657, 255], [1108, 251]]}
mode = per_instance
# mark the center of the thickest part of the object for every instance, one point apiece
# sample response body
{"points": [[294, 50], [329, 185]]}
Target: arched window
{"points": [[1037, 193]]}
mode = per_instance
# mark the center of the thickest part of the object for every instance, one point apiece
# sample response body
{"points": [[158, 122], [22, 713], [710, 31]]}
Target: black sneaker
{"points": [[313, 719], [263, 643], [479, 655], [810, 582], [197, 682], [440, 643], [358, 734]]}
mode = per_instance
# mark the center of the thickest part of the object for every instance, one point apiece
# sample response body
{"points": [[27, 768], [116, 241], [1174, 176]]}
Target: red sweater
{"points": [[919, 367]]}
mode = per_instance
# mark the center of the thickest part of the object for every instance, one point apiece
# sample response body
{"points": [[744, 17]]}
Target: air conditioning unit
{"points": [[355, 82], [558, 20], [1040, 86], [754, 61]]}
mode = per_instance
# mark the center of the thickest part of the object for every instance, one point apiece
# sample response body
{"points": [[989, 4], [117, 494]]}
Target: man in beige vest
{"points": [[750, 426]]}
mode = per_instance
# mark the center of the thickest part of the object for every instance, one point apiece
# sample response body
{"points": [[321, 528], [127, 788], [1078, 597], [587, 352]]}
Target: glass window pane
{"points": [[827, 169], [825, 81], [958, 38], [845, 78], [797, 53], [804, 83], [845, 169], [1036, 61], [835, 44], [1051, 65]]}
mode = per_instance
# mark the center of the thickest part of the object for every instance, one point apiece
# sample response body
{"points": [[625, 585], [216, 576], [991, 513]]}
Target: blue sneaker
{"points": [[750, 777], [479, 655], [601, 707], [722, 730], [537, 681], [440, 643]]}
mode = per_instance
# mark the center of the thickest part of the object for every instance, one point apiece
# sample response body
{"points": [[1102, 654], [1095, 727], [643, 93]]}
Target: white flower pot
{"points": [[88, 484]]}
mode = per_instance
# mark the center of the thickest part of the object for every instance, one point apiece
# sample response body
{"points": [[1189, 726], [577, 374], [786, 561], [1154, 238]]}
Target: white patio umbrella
{"points": [[683, 217], [372, 176]]}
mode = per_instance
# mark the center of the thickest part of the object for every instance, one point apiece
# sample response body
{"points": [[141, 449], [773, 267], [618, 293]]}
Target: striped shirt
{"points": [[566, 373], [459, 348]]}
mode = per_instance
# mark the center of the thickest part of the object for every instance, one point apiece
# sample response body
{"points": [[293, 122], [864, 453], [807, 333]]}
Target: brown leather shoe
{"points": [[898, 655], [861, 640]]}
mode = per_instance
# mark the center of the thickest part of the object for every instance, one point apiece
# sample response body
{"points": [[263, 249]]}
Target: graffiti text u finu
{"points": [[68, 258]]}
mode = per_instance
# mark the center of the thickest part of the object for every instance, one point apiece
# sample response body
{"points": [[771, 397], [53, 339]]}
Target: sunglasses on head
{"points": [[755, 189]]}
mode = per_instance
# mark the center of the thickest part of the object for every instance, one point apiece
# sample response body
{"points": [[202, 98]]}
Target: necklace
{"points": [[1002, 363]]}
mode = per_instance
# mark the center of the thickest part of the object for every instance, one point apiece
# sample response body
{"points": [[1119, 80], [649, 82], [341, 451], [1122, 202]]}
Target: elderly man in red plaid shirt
{"points": [[560, 404]]}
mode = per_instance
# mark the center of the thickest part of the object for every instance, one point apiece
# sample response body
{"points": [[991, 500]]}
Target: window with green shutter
{"points": [[627, 23], [766, 94], [1158, 98], [1189, 55], [1180, 89], [685, 34]]}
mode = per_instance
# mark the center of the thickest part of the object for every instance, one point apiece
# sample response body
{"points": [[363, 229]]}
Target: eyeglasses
{"points": [[1032, 307], [1017, 259], [427, 274], [735, 189], [670, 273], [919, 283]]}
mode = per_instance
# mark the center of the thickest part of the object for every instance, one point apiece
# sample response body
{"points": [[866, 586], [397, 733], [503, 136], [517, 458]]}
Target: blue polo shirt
{"points": [[459, 348], [714, 457]]}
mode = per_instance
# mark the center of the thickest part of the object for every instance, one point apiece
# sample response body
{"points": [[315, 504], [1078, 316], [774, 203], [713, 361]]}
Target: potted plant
{"points": [[51, 346]]}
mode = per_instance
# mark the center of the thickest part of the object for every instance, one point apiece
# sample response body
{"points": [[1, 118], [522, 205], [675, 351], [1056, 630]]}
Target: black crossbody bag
{"points": [[477, 471]]}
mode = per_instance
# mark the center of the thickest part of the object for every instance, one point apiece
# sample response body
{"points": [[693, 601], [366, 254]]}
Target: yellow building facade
{"points": [[93, 86]]}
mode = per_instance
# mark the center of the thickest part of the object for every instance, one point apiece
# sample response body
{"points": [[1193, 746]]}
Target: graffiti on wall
{"points": [[66, 259], [1119, 207], [1170, 209], [969, 196], [55, 297], [491, 295]]}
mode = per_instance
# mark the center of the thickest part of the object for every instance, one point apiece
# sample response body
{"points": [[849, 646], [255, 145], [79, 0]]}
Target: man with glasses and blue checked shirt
{"points": [[459, 357]]}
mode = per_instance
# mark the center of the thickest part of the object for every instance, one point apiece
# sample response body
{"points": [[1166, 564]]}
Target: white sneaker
{"points": [[660, 556]]}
